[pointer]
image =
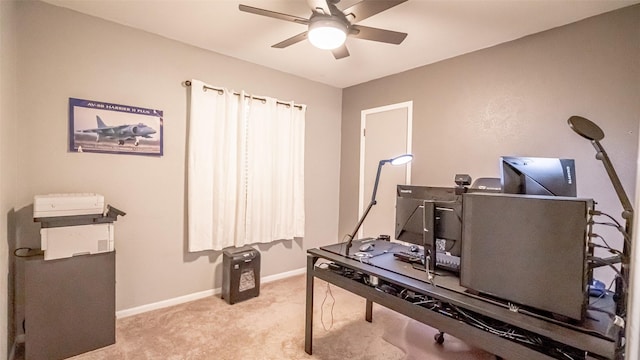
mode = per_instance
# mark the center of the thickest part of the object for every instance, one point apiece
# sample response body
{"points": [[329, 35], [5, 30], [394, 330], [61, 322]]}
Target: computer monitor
{"points": [[538, 176], [429, 216]]}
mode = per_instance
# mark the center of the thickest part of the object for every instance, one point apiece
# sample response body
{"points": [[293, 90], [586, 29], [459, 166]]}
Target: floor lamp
{"points": [[398, 160], [589, 130]]}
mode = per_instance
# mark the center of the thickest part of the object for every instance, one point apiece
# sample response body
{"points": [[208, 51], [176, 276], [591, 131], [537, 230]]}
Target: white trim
{"points": [[196, 296], [284, 275], [632, 336], [409, 105], [363, 120], [166, 303]]}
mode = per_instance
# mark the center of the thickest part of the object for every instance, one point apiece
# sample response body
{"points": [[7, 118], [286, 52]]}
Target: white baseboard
{"points": [[284, 275], [196, 296], [166, 303]]}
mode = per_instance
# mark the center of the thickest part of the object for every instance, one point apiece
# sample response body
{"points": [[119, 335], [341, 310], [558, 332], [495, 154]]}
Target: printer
{"points": [[74, 224]]}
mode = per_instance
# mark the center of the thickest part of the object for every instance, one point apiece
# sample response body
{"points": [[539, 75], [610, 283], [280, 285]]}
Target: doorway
{"points": [[385, 133]]}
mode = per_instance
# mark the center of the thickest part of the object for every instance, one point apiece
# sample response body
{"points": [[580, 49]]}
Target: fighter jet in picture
{"points": [[121, 133]]}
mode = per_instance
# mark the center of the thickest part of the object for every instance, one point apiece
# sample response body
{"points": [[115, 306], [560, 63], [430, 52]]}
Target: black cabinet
{"points": [[69, 305]]}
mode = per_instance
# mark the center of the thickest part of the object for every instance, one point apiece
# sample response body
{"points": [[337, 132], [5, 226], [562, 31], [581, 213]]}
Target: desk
{"points": [[451, 307]]}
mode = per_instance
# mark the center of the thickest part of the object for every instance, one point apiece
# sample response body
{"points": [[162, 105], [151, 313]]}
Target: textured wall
{"points": [[515, 99], [66, 54]]}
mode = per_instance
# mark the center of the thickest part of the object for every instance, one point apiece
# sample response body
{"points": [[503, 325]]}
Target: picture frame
{"points": [[101, 127]]}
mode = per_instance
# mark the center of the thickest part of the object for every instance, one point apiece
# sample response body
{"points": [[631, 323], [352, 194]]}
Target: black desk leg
{"points": [[369, 311], [308, 327]]}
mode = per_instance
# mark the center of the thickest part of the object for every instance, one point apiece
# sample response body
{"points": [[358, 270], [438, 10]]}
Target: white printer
{"points": [[55, 205], [74, 224]]}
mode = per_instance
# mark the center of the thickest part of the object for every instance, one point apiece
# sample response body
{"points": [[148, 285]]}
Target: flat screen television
{"points": [[430, 217], [528, 250], [538, 176]]}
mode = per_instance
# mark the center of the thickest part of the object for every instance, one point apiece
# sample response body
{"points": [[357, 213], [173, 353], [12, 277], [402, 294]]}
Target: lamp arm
{"points": [[355, 231], [615, 180], [627, 214], [375, 184], [366, 212]]}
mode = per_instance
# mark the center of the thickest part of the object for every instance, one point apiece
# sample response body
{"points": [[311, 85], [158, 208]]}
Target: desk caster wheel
{"points": [[439, 338]]}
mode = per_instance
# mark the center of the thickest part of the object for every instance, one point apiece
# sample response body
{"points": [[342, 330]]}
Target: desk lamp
{"points": [[398, 160], [591, 131]]}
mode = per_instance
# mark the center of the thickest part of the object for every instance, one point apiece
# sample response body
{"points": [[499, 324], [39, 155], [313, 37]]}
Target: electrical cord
{"points": [[594, 235], [611, 250], [607, 215], [17, 253], [509, 334], [333, 303], [601, 261], [610, 313], [601, 296], [620, 229]]}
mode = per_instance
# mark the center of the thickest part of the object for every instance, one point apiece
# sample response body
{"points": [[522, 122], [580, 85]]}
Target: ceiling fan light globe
{"points": [[327, 34]]}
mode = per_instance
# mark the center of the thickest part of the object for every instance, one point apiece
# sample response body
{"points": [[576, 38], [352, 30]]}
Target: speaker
{"points": [[241, 274]]}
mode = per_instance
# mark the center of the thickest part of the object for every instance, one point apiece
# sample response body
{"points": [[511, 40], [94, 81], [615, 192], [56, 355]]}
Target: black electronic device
{"points": [[528, 250], [462, 179], [240, 274], [486, 184], [448, 262], [430, 217], [538, 176], [408, 257]]}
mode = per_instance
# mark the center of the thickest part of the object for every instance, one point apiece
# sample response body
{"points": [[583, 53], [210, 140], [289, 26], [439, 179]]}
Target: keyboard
{"points": [[409, 257], [448, 262]]}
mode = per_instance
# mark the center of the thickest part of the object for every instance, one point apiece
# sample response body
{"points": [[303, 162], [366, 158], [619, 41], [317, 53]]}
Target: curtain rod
{"points": [[221, 91]]}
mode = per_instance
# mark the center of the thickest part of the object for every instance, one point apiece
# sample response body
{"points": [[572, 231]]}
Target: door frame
{"points": [[363, 119]]}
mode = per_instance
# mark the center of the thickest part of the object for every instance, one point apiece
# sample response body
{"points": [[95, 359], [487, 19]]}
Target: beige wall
{"points": [[65, 54], [8, 167], [510, 99], [515, 99]]}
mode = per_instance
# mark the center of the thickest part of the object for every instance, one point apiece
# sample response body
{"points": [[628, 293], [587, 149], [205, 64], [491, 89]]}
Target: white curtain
{"points": [[245, 169]]}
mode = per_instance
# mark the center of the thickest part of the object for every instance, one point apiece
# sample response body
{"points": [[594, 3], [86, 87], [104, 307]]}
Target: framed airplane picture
{"points": [[96, 126]]}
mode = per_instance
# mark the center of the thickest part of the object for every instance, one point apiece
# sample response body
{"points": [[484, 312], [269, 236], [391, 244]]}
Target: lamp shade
{"points": [[327, 33], [402, 159]]}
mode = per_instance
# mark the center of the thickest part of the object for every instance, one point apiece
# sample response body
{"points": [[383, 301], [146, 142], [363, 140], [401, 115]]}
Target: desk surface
{"points": [[595, 333]]}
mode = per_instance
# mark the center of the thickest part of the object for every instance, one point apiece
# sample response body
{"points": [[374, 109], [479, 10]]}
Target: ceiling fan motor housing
{"points": [[327, 32]]}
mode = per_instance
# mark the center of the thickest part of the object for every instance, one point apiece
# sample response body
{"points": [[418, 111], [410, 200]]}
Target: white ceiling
{"points": [[438, 29]]}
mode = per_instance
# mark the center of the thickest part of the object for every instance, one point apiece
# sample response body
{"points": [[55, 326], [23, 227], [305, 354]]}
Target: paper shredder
{"points": [[241, 274]]}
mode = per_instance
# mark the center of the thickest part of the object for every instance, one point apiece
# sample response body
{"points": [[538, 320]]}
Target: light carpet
{"points": [[271, 326]]}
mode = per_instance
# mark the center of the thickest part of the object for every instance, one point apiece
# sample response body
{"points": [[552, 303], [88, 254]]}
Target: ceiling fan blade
{"points": [[375, 34], [319, 6], [290, 41], [340, 52], [273, 14], [365, 9]]}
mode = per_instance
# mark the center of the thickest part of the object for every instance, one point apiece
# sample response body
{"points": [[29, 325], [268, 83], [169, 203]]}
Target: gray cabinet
{"points": [[69, 305]]}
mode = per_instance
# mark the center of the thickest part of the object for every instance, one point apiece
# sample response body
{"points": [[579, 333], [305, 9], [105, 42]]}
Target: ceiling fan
{"points": [[328, 26]]}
